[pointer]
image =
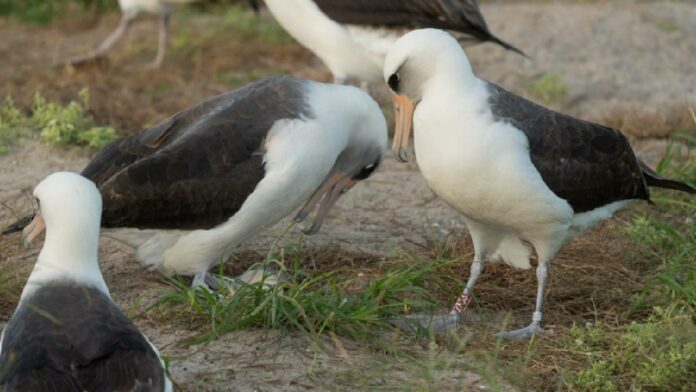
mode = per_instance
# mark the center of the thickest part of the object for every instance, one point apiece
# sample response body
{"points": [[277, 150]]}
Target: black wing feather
{"points": [[463, 16], [196, 169], [587, 164], [73, 338]]}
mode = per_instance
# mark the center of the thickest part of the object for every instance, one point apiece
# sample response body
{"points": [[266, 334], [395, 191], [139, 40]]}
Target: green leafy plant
{"points": [[13, 125], [56, 124]]}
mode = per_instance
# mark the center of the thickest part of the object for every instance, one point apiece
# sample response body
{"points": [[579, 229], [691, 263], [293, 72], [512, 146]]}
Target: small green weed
{"points": [[549, 88], [13, 125]]}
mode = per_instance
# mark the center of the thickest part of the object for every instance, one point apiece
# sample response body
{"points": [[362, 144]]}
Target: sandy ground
{"points": [[619, 54]]}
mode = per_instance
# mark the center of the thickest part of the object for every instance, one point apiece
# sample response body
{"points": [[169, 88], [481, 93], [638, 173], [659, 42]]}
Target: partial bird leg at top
{"points": [[107, 44], [534, 328], [162, 43]]}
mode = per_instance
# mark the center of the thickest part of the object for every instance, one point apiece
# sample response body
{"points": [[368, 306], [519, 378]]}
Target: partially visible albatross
{"points": [[186, 192], [67, 334], [352, 37], [130, 9], [519, 173]]}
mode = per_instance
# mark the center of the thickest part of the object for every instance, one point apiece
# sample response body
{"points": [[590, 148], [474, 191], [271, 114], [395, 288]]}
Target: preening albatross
{"points": [[352, 37], [186, 192], [67, 334], [519, 173], [130, 9]]}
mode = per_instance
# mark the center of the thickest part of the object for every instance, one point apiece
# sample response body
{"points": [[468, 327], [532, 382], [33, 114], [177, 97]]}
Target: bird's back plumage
{"points": [[69, 337], [586, 164], [195, 169]]}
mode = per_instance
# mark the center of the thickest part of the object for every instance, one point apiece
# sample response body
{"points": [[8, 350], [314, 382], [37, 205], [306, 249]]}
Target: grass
{"points": [[313, 302], [56, 124], [237, 23], [42, 12]]}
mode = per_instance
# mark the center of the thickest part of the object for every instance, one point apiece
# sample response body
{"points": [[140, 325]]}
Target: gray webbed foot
{"points": [[525, 333]]}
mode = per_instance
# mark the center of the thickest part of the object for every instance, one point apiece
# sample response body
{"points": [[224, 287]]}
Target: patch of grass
{"points": [[69, 125], [314, 303], [56, 124], [13, 125], [667, 25], [41, 12], [548, 88], [237, 23], [246, 25], [658, 353]]}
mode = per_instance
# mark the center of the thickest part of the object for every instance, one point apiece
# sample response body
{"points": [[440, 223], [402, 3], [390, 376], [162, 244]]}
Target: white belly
{"points": [[483, 170]]}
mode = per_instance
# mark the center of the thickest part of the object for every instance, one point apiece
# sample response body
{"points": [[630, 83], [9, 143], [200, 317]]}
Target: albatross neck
{"points": [[68, 254]]}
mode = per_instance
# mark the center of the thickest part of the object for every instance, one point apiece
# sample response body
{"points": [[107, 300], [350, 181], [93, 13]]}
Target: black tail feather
{"points": [[507, 46], [18, 226], [653, 179]]}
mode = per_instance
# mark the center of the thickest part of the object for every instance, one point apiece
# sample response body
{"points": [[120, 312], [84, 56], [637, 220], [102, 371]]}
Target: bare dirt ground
{"points": [[619, 61]]}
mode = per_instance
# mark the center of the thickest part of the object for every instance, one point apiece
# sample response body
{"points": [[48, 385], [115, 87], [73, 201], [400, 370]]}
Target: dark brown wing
{"points": [[462, 16], [74, 338], [196, 169], [587, 164]]}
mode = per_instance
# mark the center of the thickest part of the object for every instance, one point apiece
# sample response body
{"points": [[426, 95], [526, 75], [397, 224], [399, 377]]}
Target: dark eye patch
{"points": [[394, 82], [366, 171]]}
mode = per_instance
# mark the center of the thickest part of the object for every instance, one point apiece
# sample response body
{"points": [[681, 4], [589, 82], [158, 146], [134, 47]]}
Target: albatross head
{"points": [[70, 211], [360, 158], [416, 62]]}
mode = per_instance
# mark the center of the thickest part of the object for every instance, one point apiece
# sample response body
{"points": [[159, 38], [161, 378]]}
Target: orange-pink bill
{"points": [[33, 230], [403, 111], [330, 191]]}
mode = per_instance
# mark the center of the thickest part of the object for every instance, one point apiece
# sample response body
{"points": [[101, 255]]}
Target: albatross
{"points": [[67, 334], [130, 9], [521, 175], [353, 37], [187, 191]]}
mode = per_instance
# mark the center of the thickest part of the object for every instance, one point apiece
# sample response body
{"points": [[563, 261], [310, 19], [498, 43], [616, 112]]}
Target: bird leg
{"points": [[200, 281], [446, 322], [107, 44], [465, 299], [162, 43], [535, 327]]}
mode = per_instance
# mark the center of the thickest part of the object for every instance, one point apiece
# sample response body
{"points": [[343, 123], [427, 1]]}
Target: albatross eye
{"points": [[366, 172], [394, 82]]}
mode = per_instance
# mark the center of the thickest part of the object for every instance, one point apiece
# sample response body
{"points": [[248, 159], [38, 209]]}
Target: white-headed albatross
{"points": [[130, 9], [519, 173], [186, 192], [352, 37], [67, 334]]}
